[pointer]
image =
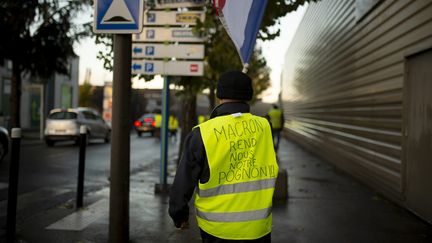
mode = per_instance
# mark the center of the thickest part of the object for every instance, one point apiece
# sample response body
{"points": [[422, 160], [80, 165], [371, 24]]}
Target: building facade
{"points": [[357, 90], [39, 96]]}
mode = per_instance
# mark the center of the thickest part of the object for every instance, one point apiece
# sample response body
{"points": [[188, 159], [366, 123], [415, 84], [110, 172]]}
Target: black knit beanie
{"points": [[234, 85]]}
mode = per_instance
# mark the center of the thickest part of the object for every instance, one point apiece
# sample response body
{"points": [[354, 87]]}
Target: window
{"points": [[9, 65], [62, 115], [6, 86], [88, 115]]}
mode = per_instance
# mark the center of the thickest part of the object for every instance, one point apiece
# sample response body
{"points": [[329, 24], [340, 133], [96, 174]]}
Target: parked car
{"points": [[64, 124], [4, 143], [146, 123]]}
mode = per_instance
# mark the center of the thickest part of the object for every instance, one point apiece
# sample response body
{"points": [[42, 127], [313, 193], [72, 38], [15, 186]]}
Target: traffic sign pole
{"points": [[163, 187], [121, 18], [120, 145], [164, 143]]}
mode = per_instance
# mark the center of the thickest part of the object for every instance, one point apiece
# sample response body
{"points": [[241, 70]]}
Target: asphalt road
{"points": [[48, 175]]}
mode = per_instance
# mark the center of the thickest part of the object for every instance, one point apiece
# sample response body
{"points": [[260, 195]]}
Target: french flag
{"points": [[241, 19]]}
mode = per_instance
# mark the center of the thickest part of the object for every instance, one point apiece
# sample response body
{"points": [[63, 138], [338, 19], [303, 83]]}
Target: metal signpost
{"points": [[122, 18], [167, 46]]}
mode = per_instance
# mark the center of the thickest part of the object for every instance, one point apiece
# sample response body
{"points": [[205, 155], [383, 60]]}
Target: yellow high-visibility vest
{"points": [[158, 120], [236, 201], [173, 123], [275, 118], [201, 119]]}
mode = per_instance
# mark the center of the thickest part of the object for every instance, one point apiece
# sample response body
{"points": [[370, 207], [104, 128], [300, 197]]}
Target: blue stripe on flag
{"points": [[256, 14]]}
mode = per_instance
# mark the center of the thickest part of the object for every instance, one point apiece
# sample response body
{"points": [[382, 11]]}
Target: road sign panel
{"points": [[152, 18], [118, 16], [172, 68], [161, 4], [185, 51], [160, 34]]}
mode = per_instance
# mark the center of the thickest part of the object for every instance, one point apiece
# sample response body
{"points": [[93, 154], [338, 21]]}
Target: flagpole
{"points": [[245, 67]]}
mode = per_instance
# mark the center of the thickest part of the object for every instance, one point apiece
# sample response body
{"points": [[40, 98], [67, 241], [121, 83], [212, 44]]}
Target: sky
{"points": [[87, 50]]}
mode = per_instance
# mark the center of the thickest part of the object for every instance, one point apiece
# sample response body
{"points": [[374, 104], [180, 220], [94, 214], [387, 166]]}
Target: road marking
{"points": [[79, 220]]}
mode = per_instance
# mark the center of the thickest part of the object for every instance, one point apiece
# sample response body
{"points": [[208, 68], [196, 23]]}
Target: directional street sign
{"points": [[160, 34], [172, 18], [118, 16], [162, 4], [182, 51], [172, 68]]}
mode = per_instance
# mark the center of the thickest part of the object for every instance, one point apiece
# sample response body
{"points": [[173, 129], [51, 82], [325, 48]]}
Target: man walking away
{"points": [[230, 161], [275, 116]]}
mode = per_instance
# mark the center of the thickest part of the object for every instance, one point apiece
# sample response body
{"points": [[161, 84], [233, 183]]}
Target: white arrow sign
{"points": [[152, 18], [185, 51], [173, 68], [160, 34]]}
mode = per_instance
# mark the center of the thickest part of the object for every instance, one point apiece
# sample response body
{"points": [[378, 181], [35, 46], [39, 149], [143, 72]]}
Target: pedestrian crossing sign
{"points": [[118, 16]]}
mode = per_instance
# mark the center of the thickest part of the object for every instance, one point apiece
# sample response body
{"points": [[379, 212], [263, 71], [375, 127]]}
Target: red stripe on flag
{"points": [[218, 5]]}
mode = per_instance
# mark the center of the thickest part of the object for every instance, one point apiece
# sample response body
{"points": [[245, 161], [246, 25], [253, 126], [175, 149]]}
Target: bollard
{"points": [[281, 187], [13, 185], [81, 166]]}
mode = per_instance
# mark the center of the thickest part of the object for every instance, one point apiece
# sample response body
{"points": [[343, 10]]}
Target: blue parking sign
{"points": [[118, 16], [149, 67], [151, 17], [150, 50], [150, 34]]}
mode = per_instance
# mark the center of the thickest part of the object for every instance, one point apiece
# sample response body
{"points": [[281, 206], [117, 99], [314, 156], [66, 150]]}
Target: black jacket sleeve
{"points": [[189, 171]]}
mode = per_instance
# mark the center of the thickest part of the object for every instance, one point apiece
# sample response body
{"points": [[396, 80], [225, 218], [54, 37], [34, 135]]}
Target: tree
{"points": [[221, 55], [40, 37], [85, 95], [275, 10]]}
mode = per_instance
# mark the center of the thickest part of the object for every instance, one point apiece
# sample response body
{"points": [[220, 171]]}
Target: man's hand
{"points": [[183, 224]]}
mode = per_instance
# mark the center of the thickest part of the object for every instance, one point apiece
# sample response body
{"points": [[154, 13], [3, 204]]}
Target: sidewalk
{"points": [[324, 205], [31, 137]]}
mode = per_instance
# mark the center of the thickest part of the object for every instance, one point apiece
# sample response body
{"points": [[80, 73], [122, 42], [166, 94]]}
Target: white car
{"points": [[64, 124]]}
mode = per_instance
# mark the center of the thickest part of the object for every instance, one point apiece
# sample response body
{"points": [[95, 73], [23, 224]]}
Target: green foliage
{"points": [[85, 95], [274, 11], [38, 35], [260, 74]]}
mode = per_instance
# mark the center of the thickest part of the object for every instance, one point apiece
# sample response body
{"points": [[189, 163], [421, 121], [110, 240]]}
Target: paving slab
{"points": [[324, 205]]}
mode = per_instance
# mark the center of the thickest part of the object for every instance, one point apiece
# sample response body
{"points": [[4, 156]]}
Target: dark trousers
{"points": [[207, 238], [276, 139]]}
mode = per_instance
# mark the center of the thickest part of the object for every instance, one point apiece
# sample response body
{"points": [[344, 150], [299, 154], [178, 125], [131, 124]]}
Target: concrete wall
{"points": [[70, 81]]}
